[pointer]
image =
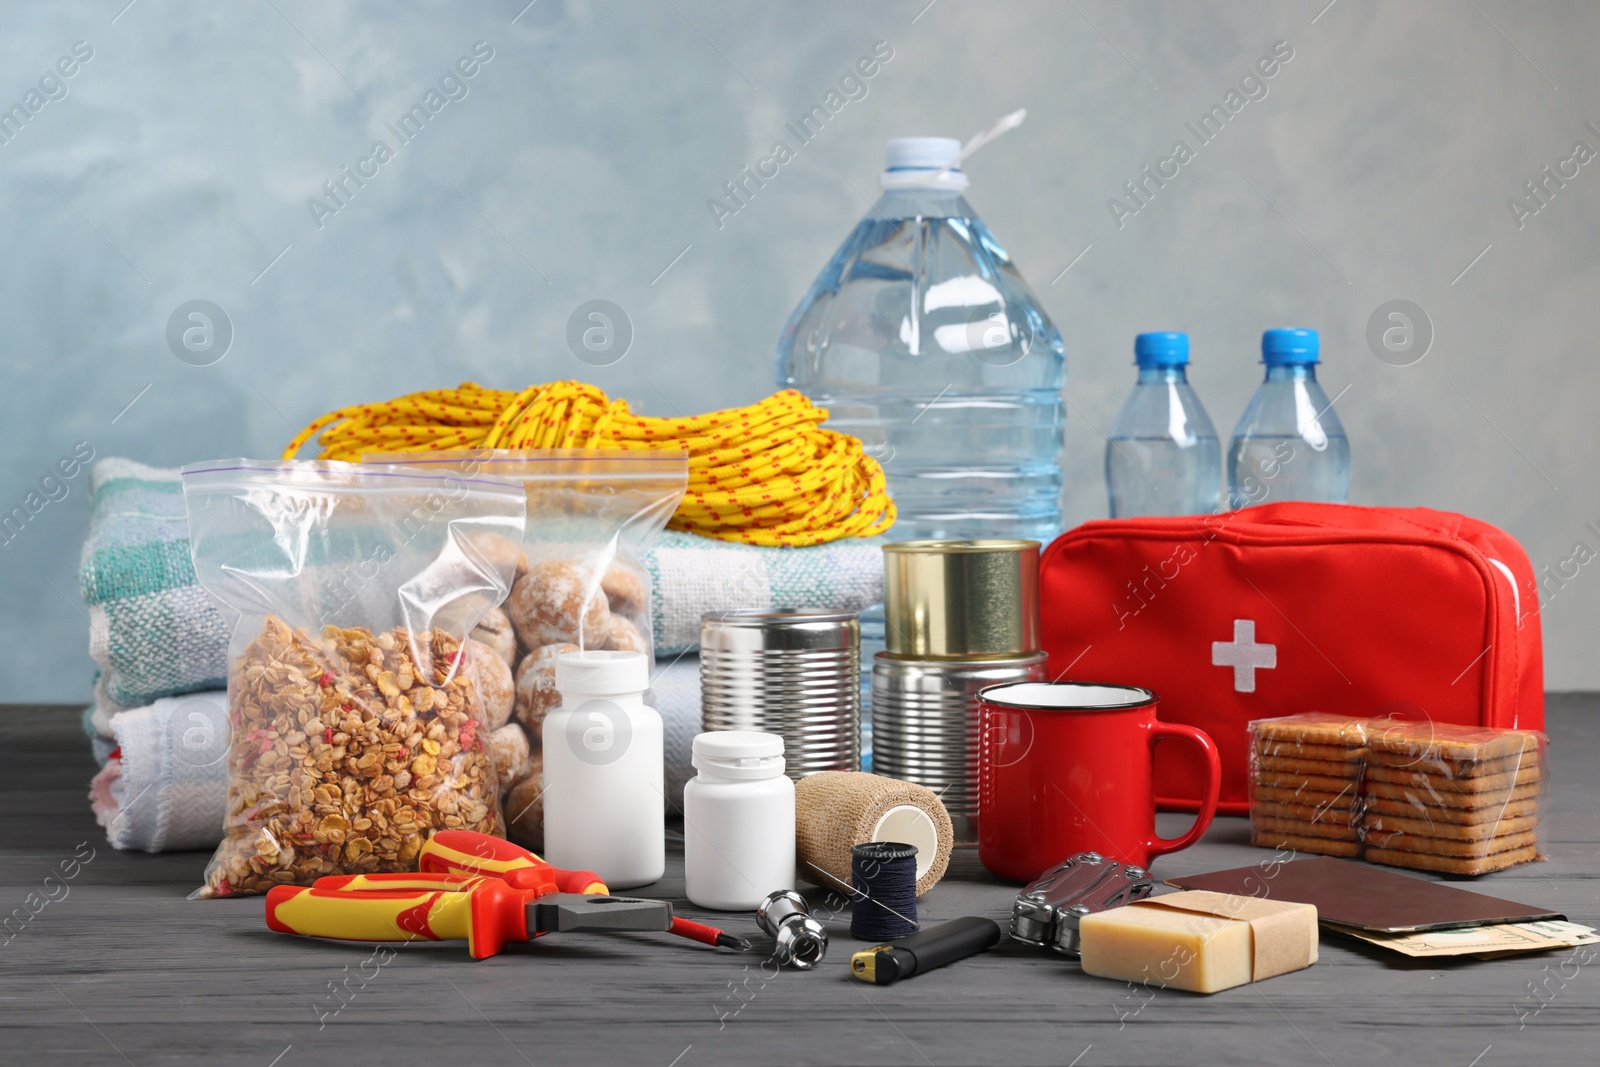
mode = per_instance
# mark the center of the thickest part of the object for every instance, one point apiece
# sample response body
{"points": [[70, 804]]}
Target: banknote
{"points": [[1500, 939]]}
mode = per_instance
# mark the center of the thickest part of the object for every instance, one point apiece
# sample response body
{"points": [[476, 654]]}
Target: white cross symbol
{"points": [[1243, 655]]}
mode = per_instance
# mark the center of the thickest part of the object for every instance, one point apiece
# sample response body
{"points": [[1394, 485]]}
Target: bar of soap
{"points": [[1199, 941]]}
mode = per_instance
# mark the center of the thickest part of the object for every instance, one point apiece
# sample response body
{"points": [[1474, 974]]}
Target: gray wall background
{"points": [[1378, 167]]}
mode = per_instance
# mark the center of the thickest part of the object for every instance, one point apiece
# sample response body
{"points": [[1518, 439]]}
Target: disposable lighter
{"points": [[925, 950]]}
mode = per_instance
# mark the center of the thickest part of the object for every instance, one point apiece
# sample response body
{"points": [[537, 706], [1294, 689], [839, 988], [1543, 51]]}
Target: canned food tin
{"points": [[950, 599], [926, 723], [795, 673]]}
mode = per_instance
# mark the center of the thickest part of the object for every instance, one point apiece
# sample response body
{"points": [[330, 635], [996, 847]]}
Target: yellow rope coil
{"points": [[766, 474]]}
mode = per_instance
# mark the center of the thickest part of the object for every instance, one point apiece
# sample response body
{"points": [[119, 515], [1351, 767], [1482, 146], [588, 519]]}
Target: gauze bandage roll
{"points": [[837, 809]]}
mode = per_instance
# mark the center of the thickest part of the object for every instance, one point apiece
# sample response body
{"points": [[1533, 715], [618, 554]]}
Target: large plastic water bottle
{"points": [[1162, 456], [1289, 444], [921, 338]]}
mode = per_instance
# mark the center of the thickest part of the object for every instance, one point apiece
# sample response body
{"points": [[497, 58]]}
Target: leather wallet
{"points": [[1359, 895]]}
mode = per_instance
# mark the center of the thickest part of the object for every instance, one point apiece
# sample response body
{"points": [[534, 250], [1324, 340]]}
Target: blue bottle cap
{"points": [[1287, 346], [1161, 349]]}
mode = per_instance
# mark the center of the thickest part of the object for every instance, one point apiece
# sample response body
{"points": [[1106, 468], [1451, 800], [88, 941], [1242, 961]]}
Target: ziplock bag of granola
{"points": [[356, 727]]}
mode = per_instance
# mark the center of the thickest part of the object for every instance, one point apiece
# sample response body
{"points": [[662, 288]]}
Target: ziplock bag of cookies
{"points": [[356, 724], [1461, 800], [580, 583]]}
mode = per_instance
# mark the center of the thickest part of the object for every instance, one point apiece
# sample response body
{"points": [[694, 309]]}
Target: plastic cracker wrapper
{"points": [[1458, 800], [1305, 783]]}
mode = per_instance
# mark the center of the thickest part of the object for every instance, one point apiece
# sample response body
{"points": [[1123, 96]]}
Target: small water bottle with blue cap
{"points": [[1162, 455], [1289, 444]]}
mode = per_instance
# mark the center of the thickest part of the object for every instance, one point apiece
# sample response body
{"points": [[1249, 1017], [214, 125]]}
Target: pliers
{"points": [[471, 886]]}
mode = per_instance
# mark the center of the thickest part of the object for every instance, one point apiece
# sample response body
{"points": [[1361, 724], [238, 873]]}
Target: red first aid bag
{"points": [[1277, 609]]}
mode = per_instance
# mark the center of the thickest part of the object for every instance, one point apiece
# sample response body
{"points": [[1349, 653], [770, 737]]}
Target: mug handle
{"points": [[1160, 846]]}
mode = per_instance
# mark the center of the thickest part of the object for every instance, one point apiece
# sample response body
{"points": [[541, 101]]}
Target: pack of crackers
{"points": [[1305, 783], [1461, 800], [1454, 799]]}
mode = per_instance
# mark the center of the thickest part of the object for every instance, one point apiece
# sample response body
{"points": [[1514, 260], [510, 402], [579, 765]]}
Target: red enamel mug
{"points": [[1065, 767]]}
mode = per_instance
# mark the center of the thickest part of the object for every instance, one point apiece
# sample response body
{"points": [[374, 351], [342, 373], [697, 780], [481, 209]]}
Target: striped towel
{"points": [[167, 788], [692, 575], [152, 629], [155, 633]]}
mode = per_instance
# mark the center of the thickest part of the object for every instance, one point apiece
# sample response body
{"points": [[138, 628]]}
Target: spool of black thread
{"points": [[884, 876]]}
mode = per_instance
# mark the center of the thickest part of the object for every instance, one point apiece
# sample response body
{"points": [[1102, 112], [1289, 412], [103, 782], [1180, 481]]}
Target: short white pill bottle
{"points": [[604, 799], [738, 821]]}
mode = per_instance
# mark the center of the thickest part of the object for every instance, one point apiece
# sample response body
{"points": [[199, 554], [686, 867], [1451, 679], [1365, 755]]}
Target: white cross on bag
{"points": [[1243, 655]]}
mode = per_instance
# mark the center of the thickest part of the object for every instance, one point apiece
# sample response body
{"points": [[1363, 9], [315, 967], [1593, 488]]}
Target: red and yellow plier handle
{"points": [[467, 852], [485, 912]]}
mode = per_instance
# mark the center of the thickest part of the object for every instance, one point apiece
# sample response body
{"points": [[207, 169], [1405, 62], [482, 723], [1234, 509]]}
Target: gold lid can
{"points": [[961, 599]]}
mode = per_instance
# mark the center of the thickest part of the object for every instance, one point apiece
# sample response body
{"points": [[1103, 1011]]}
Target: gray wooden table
{"points": [[123, 969]]}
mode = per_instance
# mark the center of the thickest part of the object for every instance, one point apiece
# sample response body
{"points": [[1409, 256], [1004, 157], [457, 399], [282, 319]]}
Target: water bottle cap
{"points": [[1283, 347], [910, 161], [1166, 349], [921, 152]]}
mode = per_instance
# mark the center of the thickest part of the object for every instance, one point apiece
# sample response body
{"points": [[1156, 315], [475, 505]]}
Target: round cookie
{"points": [[536, 686], [525, 807], [508, 749], [495, 631], [499, 553], [624, 636], [624, 589], [496, 690], [554, 604]]}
